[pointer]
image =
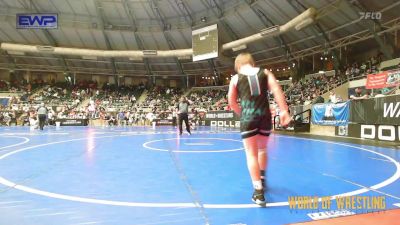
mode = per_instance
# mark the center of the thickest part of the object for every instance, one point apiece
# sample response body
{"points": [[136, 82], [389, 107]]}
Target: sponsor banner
{"points": [[220, 123], [330, 114], [4, 101], [73, 122], [221, 115], [222, 119], [163, 122], [384, 110], [373, 132], [37, 21], [383, 80]]}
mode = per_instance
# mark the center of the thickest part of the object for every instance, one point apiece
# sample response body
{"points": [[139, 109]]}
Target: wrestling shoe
{"points": [[258, 198]]}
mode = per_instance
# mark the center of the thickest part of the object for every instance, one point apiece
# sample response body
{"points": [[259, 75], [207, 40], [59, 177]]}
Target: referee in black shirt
{"points": [[183, 109]]}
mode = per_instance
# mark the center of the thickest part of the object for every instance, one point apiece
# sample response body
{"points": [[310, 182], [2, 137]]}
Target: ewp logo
{"points": [[37, 21]]}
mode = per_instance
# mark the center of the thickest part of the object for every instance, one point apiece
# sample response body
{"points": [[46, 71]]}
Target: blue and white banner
{"points": [[330, 114], [37, 21]]}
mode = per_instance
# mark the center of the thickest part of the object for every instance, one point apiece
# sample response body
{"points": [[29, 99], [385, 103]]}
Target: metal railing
{"points": [[302, 125]]}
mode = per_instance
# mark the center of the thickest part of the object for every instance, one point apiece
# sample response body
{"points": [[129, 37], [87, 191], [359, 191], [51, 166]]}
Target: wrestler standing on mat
{"points": [[251, 85]]}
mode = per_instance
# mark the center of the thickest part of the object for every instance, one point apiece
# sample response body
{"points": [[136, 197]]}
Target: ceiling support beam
{"points": [[129, 12], [374, 26], [100, 15], [318, 29], [267, 22], [46, 33], [167, 37], [185, 11]]}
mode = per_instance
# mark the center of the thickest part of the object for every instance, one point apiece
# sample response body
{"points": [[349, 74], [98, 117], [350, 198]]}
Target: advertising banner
{"points": [[330, 114], [222, 119], [37, 21], [383, 80], [370, 131], [382, 111], [73, 122]]}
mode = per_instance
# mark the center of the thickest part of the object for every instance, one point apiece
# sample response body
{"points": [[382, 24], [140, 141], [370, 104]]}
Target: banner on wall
{"points": [[330, 114], [370, 131], [4, 101], [222, 119], [383, 110], [73, 122], [383, 80]]}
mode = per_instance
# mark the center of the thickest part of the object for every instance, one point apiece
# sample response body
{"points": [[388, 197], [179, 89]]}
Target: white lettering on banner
{"points": [[392, 130], [225, 115], [211, 116], [390, 109], [389, 136], [225, 124], [368, 127]]}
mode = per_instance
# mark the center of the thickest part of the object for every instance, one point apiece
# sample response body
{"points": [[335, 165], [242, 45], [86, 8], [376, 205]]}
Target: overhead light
{"points": [[290, 78], [203, 19], [321, 72], [304, 23], [149, 52], [89, 57], [284, 69], [322, 58], [277, 70], [15, 52], [185, 57], [241, 47], [135, 58], [269, 30], [326, 58], [45, 48]]}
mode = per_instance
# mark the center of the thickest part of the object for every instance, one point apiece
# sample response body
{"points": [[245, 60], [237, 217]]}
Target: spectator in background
{"points": [[308, 101], [121, 118], [318, 99], [50, 117], [33, 122], [359, 95], [332, 97], [174, 118], [379, 94], [112, 120]]}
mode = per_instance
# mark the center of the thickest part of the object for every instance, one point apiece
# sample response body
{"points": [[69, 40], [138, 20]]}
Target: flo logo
{"points": [[371, 15]]}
